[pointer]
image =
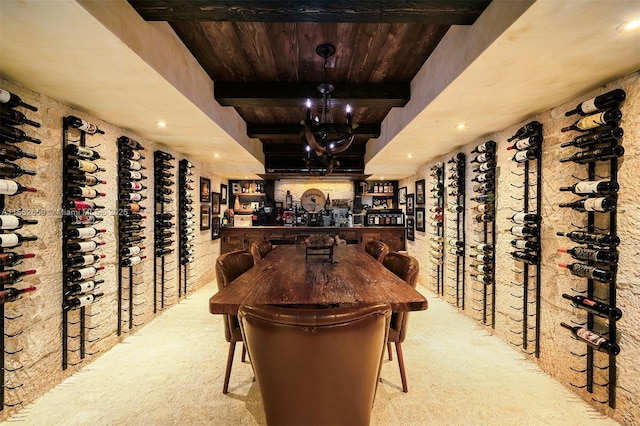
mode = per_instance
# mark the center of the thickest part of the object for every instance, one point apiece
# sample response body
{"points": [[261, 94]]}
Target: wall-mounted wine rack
{"points": [[601, 148], [164, 226], [455, 234], [483, 252], [437, 223], [131, 191], [527, 144], [186, 224], [9, 224], [79, 220]]}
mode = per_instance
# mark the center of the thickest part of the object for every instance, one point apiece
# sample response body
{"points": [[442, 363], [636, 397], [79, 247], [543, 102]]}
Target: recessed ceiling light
{"points": [[381, 177], [409, 155], [461, 126], [629, 25], [216, 155], [161, 123]]}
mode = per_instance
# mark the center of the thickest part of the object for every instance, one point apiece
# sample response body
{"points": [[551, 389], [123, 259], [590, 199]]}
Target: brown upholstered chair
{"points": [[407, 268], [316, 366], [377, 249], [260, 249], [228, 267]]}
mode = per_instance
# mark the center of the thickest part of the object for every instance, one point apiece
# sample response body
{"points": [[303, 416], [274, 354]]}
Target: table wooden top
{"points": [[284, 278]]}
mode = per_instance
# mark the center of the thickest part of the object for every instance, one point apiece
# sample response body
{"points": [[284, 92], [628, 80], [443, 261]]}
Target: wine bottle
{"points": [[483, 177], [164, 155], [603, 187], [11, 294], [484, 198], [9, 221], [131, 175], [13, 170], [12, 100], [595, 120], [482, 257], [529, 258], [84, 273], [487, 248], [165, 233], [455, 243], [484, 187], [11, 276], [598, 308], [131, 154], [600, 204], [9, 187], [525, 245], [12, 153], [604, 101], [185, 260], [14, 240], [132, 228], [524, 231], [11, 258], [487, 146], [83, 166], [586, 238], [482, 208], [88, 219], [84, 246], [162, 165], [133, 217], [84, 179], [79, 288], [522, 156], [81, 151], [164, 252], [485, 167], [482, 278], [435, 172], [583, 141], [81, 233], [86, 260], [483, 218], [131, 196], [11, 134], [456, 251], [484, 268], [131, 251], [79, 123], [526, 130], [126, 142], [455, 209], [81, 192], [526, 218], [187, 238], [132, 261], [131, 165], [132, 239], [80, 205], [605, 257], [483, 158], [165, 182], [600, 154], [80, 301], [592, 339], [132, 186], [523, 144], [586, 271]]}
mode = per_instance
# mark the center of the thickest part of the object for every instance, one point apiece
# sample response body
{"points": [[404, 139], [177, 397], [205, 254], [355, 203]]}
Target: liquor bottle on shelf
{"points": [[9, 221], [81, 151], [79, 288], [11, 258], [131, 251], [607, 100], [80, 301], [487, 146], [9, 187], [12, 294], [84, 273], [598, 308], [131, 175], [14, 240], [80, 205], [88, 219], [131, 154], [84, 246], [84, 179], [12, 100], [595, 120], [81, 233], [525, 245], [530, 258], [600, 204], [524, 231], [86, 260], [131, 261], [586, 271], [605, 257], [522, 156], [12, 153], [79, 191], [603, 187], [526, 130], [524, 144], [583, 141], [587, 238], [13, 135], [13, 170], [84, 166], [600, 154], [592, 339], [126, 142], [487, 248], [11, 276], [526, 218]]}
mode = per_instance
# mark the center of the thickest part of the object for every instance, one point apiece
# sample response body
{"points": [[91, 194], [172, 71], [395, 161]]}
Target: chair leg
{"points": [[389, 350], [227, 374], [244, 352], [405, 389]]}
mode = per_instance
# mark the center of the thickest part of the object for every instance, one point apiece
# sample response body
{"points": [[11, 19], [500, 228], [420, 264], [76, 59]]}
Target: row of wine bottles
{"points": [[456, 179], [187, 228], [165, 223]]}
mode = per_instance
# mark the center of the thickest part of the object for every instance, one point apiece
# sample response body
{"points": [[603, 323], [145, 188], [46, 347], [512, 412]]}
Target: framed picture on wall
{"points": [[215, 227], [410, 229], [420, 197], [215, 203], [223, 193], [205, 217], [420, 219], [409, 205], [402, 195], [205, 190]]}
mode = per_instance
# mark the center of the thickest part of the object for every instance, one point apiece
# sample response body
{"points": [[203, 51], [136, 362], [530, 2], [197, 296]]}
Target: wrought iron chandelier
{"points": [[325, 137]]}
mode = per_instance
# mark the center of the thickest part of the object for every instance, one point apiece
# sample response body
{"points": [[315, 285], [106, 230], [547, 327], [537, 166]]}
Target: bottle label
{"points": [[87, 260], [135, 197], [520, 157], [590, 187], [88, 192], [518, 231], [134, 250], [9, 240], [135, 260], [590, 337], [87, 246], [84, 152], [135, 175], [583, 270], [518, 217], [523, 144], [87, 166], [88, 286], [8, 187], [591, 121], [85, 300], [589, 106], [521, 244], [594, 204], [87, 272], [136, 186], [134, 165], [86, 232], [9, 221], [4, 96], [88, 127], [584, 253]]}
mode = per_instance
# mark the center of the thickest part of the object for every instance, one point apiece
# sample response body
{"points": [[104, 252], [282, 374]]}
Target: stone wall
{"points": [[39, 312], [556, 343]]}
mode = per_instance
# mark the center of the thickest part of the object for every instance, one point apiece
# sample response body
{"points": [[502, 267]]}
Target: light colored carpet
{"points": [[171, 373]]}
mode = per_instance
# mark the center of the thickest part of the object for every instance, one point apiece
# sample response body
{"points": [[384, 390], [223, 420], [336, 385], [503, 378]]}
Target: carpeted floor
{"points": [[171, 373]]}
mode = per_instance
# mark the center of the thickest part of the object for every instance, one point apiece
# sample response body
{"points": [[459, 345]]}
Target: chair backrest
{"points": [[377, 249], [316, 366], [230, 266], [407, 268], [260, 249]]}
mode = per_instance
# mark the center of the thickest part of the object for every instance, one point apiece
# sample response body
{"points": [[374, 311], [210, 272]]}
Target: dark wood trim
{"points": [[287, 130]]}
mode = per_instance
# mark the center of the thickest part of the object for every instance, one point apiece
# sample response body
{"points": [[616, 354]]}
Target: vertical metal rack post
{"points": [[186, 229], [457, 244], [163, 227]]}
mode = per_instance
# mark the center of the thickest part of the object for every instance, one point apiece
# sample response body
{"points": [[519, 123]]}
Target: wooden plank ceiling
{"points": [[262, 57]]}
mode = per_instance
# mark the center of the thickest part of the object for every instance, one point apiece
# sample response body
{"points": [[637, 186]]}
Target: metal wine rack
{"points": [[604, 223], [7, 352], [163, 227], [130, 226], [77, 217], [186, 224], [527, 142], [437, 223], [484, 298], [455, 213]]}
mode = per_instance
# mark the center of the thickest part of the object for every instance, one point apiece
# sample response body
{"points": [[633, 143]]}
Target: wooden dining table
{"points": [[285, 278]]}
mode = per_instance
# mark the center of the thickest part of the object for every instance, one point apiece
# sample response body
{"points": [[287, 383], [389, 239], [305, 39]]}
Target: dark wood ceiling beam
{"points": [[361, 95], [288, 130], [441, 12]]}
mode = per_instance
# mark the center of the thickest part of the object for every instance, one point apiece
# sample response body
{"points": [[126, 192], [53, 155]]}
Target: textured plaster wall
{"points": [[556, 343], [40, 312]]}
